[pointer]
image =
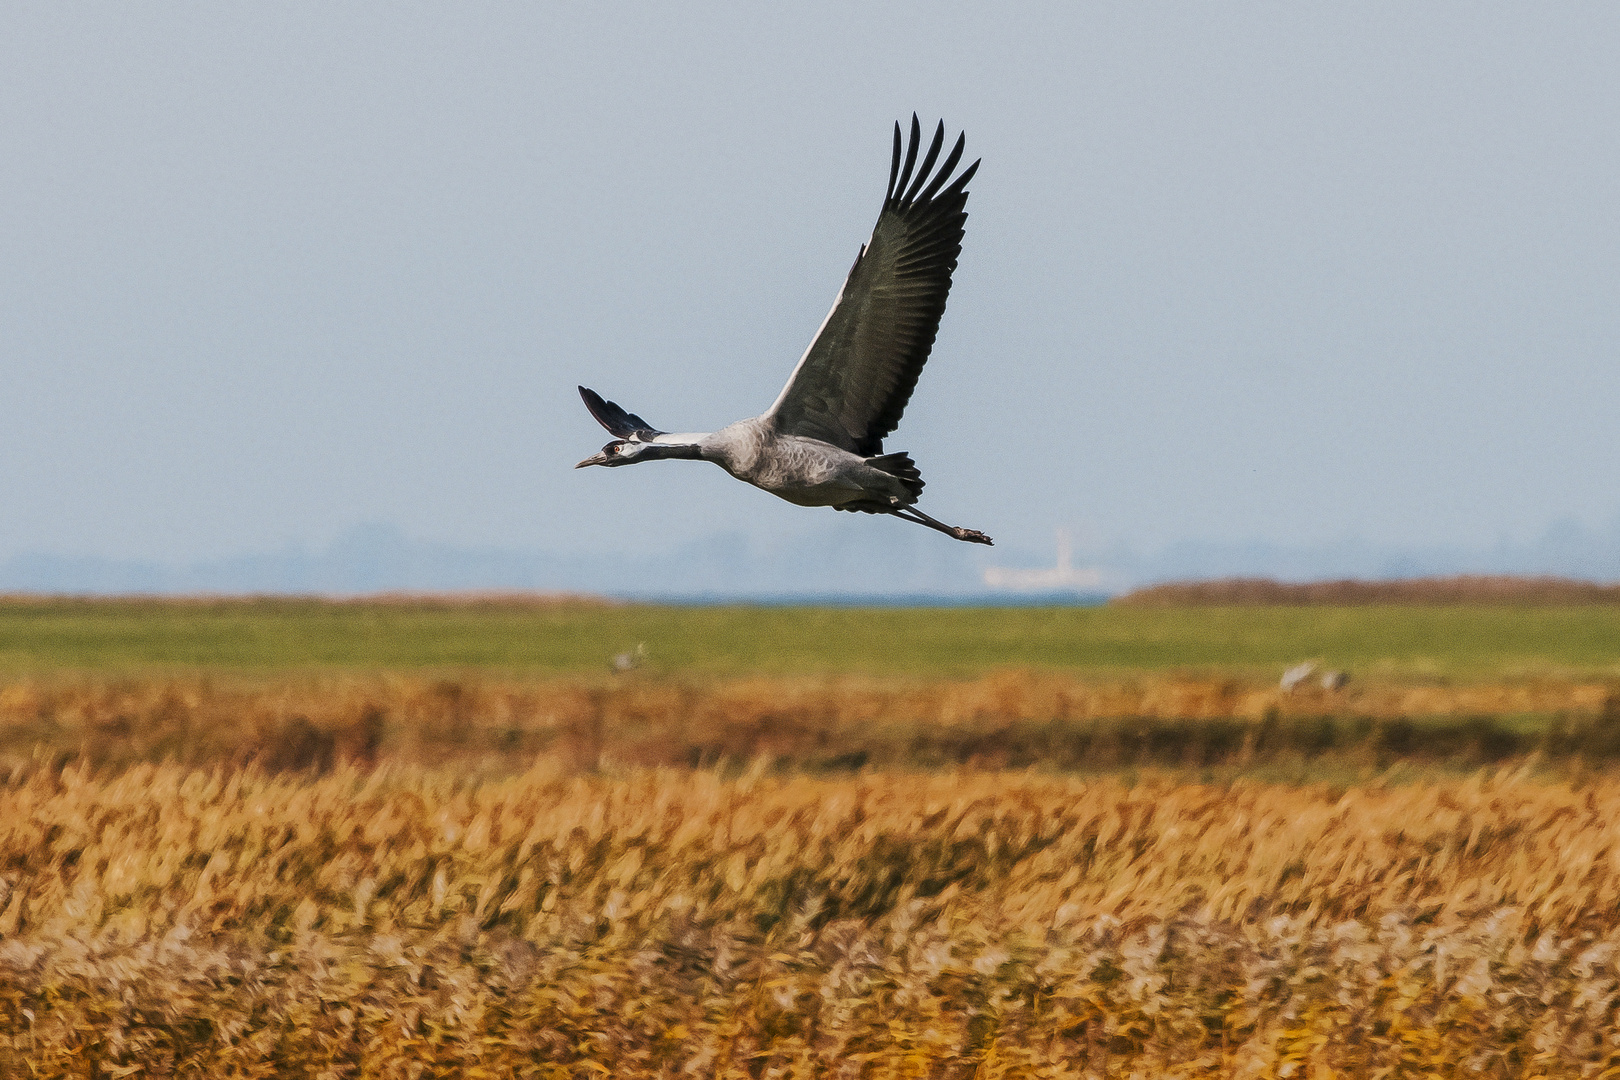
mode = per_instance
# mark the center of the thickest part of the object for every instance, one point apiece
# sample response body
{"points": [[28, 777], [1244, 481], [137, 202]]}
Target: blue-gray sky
{"points": [[1283, 271]]}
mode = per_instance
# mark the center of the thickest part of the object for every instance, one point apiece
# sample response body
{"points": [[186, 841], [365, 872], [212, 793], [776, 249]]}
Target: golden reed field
{"points": [[403, 921], [315, 840], [1010, 718]]}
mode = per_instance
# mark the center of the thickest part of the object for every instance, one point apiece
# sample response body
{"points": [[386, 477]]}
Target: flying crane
{"points": [[821, 442]]}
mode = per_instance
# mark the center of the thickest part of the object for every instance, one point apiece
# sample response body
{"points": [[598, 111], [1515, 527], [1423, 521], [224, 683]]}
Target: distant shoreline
{"points": [[500, 598], [1461, 589], [514, 598], [1458, 589]]}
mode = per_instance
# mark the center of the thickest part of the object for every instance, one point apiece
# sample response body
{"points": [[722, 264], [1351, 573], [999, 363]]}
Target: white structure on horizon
{"points": [[1061, 576]]}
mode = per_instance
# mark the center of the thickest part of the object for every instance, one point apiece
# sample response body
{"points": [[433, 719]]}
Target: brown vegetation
{"points": [[1463, 589], [1012, 718], [402, 923]]}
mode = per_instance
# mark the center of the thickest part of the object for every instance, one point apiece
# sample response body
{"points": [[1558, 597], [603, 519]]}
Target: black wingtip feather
{"points": [[894, 166], [944, 173], [911, 156], [927, 164], [962, 181], [918, 184], [619, 422]]}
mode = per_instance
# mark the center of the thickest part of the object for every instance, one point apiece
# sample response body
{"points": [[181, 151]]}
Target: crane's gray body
{"points": [[821, 442], [804, 471]]}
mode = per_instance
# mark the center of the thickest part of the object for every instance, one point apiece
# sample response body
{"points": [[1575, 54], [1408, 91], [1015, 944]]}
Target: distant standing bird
{"points": [[821, 443]]}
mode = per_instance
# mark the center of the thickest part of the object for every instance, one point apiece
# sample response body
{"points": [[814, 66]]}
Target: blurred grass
{"points": [[1400, 642], [1018, 719]]}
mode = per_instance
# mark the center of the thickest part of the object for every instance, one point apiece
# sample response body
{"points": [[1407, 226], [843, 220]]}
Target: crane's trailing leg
{"points": [[911, 513]]}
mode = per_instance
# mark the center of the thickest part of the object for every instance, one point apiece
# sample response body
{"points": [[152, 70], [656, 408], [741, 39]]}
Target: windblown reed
{"points": [[231, 923]]}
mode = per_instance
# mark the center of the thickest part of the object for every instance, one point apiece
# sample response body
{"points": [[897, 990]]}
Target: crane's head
{"points": [[630, 451], [619, 452], [634, 439]]}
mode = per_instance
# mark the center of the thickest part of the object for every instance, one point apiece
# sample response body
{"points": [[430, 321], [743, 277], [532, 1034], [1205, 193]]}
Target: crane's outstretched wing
{"points": [[852, 384], [621, 424]]}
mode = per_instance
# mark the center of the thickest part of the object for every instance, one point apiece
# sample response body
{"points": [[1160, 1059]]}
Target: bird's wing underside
{"points": [[852, 384], [623, 425]]}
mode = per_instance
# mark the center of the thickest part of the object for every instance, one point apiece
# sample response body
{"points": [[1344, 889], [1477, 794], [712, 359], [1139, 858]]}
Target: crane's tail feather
{"points": [[902, 468]]}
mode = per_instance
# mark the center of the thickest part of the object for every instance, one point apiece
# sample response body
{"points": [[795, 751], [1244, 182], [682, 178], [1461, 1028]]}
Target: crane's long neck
{"points": [[686, 444]]}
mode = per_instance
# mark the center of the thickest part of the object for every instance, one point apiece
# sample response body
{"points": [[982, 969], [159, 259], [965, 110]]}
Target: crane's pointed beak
{"points": [[594, 459]]}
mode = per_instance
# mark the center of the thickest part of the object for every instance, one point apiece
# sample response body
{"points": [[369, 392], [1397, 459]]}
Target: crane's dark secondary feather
{"points": [[621, 424], [854, 382], [902, 468]]}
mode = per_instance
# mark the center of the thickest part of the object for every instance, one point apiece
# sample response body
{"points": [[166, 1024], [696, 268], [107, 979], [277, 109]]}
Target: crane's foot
{"points": [[972, 536]]}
